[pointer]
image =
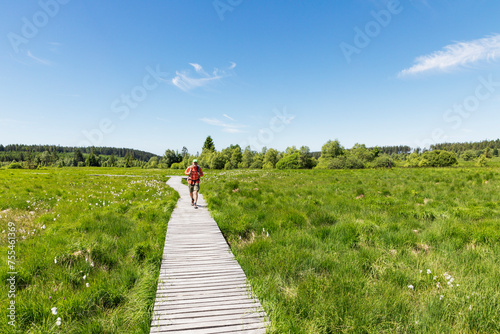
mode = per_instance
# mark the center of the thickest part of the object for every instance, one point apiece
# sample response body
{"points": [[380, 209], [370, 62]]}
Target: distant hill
{"points": [[12, 151]]}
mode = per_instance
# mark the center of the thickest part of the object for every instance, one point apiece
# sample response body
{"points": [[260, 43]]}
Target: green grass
{"points": [[107, 232], [337, 251]]}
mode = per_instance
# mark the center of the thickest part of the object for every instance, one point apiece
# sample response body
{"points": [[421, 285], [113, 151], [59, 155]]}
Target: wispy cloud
{"points": [[226, 127], [185, 81], [455, 55], [228, 117], [39, 60]]}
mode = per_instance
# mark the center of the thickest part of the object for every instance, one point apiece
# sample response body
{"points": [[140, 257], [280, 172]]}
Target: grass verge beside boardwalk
{"points": [[87, 248], [366, 251]]}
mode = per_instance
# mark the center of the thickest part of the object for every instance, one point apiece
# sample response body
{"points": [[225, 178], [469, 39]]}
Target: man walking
{"points": [[194, 173]]}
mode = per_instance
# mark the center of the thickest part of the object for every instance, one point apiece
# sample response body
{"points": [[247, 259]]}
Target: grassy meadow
{"points": [[326, 251], [366, 251], [87, 248]]}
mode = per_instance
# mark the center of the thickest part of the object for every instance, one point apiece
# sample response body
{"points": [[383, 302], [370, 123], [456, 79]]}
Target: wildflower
{"points": [[420, 270], [50, 297], [441, 297], [87, 285], [428, 271], [84, 276], [55, 259], [268, 234], [470, 307], [54, 310], [410, 286], [438, 285], [92, 264], [54, 219], [435, 277], [43, 227], [58, 322]]}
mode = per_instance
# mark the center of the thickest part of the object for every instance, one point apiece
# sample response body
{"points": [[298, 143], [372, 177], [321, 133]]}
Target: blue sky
{"points": [[157, 74]]}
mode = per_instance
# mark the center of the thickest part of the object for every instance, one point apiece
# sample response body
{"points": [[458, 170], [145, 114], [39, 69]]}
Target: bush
{"points": [[337, 163], [289, 162], [177, 165], [469, 155], [15, 165], [439, 158], [382, 162], [354, 163]]}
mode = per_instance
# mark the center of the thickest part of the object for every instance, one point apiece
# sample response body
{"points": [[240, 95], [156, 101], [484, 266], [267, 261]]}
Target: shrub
{"points": [[439, 158], [289, 162], [177, 165], [15, 165], [382, 161], [337, 163], [354, 163]]}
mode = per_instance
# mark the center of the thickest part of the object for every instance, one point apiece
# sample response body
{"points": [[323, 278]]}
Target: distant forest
{"points": [[332, 156], [18, 152]]}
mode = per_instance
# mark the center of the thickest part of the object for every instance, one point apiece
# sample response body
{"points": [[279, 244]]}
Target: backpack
{"points": [[193, 175]]}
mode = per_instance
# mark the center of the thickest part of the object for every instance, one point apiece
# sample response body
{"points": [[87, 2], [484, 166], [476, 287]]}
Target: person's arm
{"points": [[188, 170], [201, 171]]}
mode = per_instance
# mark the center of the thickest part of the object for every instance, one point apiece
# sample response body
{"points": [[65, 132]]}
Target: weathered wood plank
{"points": [[201, 287]]}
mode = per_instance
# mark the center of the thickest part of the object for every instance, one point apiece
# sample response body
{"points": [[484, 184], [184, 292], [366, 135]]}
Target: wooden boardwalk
{"points": [[202, 288]]}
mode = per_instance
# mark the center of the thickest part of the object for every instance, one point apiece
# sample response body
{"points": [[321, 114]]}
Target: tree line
{"points": [[332, 156], [19, 152]]}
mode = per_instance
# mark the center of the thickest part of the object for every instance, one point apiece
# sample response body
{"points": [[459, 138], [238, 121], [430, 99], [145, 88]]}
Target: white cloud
{"points": [[39, 60], [226, 127], [228, 117], [456, 55], [186, 82]]}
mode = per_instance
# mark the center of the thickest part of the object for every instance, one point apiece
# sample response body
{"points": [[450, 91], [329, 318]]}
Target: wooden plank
{"points": [[201, 287]]}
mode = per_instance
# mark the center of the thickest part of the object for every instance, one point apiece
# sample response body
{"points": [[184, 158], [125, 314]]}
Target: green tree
{"points": [[236, 157], [306, 159], [153, 162], [360, 152], [217, 160], [270, 158], [469, 155], [330, 150], [129, 159], [209, 145], [112, 161], [246, 160], [170, 157], [257, 161], [92, 160], [77, 157], [290, 161]]}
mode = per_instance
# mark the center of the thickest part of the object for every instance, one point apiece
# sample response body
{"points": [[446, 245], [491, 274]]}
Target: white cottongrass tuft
{"points": [[58, 322], [54, 310], [410, 286]]}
